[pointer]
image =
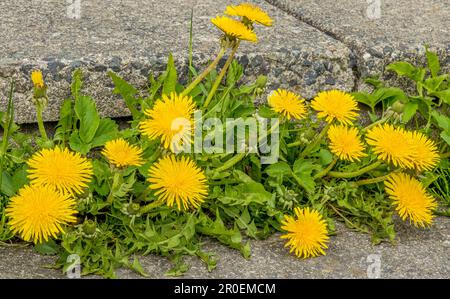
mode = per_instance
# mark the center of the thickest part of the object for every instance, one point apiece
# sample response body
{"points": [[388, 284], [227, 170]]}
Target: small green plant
{"points": [[428, 105]]}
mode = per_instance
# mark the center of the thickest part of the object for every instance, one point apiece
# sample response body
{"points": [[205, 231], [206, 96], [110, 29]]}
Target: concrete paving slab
{"points": [[134, 37], [379, 31], [418, 253]]}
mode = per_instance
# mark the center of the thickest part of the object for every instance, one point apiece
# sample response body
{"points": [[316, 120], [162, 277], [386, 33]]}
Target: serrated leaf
{"points": [[433, 63], [303, 174], [446, 137], [64, 125], [7, 186], [279, 169], [403, 68], [107, 130], [171, 77], [86, 111], [77, 83], [47, 248], [443, 95], [409, 111], [136, 266], [128, 93], [326, 157], [442, 121]]}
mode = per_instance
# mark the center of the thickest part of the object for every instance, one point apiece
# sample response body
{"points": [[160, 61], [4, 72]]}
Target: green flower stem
{"points": [[231, 162], [348, 175], [372, 180], [39, 109], [150, 206], [115, 185], [326, 170], [221, 75], [380, 121], [6, 128], [445, 156], [224, 182], [316, 141], [293, 144], [202, 76]]}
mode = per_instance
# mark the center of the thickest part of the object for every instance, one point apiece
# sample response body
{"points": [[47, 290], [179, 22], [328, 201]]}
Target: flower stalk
{"points": [[221, 75], [326, 170], [151, 206], [348, 175], [316, 141], [40, 106], [372, 180], [231, 162], [202, 76], [6, 130], [115, 185]]}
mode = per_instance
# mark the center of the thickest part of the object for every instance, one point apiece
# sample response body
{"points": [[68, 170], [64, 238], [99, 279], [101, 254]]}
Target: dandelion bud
{"points": [[261, 81], [38, 81], [89, 227], [398, 107], [133, 209], [39, 87]]}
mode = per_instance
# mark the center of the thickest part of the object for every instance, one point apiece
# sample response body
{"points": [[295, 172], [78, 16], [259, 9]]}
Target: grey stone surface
{"points": [[418, 253], [379, 31], [134, 37]]}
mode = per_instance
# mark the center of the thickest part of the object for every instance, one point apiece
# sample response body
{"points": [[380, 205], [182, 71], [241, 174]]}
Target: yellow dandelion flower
{"points": [[287, 103], [391, 144], [345, 143], [251, 12], [170, 119], [425, 153], [335, 105], [122, 154], [66, 171], [234, 29], [178, 182], [36, 77], [410, 199], [307, 234], [38, 213]]}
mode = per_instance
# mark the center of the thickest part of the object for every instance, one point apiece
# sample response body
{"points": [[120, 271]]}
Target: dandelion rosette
{"points": [[335, 105], [66, 171], [251, 12], [234, 29], [307, 234], [410, 199], [171, 120], [122, 154], [178, 181], [38, 213], [345, 143], [287, 104]]}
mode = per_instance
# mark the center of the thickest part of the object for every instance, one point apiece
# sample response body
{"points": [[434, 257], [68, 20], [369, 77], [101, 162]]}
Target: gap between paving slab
{"points": [[379, 32]]}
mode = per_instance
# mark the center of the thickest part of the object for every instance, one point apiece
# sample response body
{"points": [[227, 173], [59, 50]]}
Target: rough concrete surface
{"points": [[134, 37], [379, 31], [418, 253]]}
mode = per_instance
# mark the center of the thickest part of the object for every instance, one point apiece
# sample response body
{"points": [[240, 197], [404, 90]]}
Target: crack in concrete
{"points": [[353, 57]]}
